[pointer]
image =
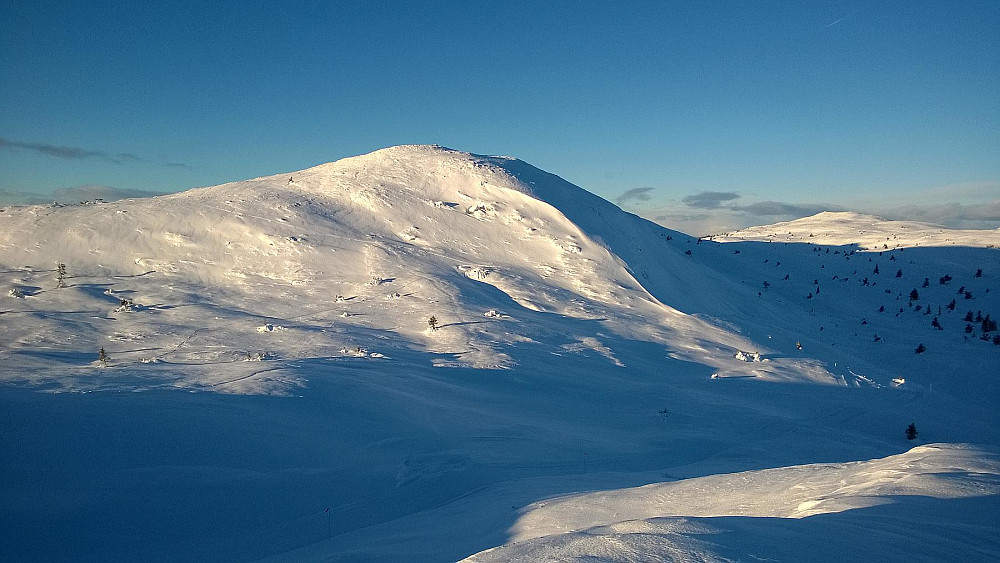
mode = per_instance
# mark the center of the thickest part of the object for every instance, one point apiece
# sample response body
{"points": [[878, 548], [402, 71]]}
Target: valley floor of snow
{"points": [[247, 372]]}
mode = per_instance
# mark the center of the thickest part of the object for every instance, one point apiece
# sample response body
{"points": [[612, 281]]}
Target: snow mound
{"points": [[655, 521]]}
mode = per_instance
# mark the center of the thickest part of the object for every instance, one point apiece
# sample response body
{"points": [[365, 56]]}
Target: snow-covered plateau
{"points": [[421, 354]]}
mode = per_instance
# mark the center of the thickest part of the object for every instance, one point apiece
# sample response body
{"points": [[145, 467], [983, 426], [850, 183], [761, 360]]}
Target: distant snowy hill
{"points": [[250, 370]]}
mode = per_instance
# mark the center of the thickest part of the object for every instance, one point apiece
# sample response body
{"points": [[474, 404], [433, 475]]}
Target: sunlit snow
{"points": [[250, 370]]}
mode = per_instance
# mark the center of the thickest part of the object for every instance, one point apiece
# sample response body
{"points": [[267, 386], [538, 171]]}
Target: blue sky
{"points": [[698, 115]]}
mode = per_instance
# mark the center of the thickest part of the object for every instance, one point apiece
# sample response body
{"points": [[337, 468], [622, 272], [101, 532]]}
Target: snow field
{"points": [[276, 361]]}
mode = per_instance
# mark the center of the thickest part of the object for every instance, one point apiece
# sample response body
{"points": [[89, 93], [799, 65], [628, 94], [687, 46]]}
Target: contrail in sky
{"points": [[842, 18]]}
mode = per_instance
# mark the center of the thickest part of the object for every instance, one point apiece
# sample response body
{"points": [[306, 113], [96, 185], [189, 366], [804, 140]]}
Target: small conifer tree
{"points": [[432, 322], [911, 432]]}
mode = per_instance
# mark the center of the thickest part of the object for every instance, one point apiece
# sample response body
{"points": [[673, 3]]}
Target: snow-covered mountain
{"points": [[288, 395], [358, 251]]}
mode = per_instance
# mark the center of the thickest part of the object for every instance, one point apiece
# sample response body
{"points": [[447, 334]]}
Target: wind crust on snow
{"points": [[673, 520]]}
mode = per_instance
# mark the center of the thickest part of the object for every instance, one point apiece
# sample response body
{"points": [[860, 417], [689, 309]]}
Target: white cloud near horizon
{"points": [[709, 200], [635, 194]]}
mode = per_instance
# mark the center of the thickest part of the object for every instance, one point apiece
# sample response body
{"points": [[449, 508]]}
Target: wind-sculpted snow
{"points": [[666, 521]]}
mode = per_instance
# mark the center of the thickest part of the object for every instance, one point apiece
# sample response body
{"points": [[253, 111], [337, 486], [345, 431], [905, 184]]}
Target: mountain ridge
{"points": [[421, 219]]}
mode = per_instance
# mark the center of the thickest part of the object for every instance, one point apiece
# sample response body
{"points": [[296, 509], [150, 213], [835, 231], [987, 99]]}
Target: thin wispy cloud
{"points": [[67, 153], [634, 195], [709, 200], [842, 18], [981, 216], [965, 191], [76, 153], [777, 208]]}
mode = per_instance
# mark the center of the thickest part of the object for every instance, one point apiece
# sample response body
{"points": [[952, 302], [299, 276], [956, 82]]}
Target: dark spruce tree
{"points": [[911, 432]]}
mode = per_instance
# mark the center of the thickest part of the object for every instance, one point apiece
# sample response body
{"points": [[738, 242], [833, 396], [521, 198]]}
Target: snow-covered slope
{"points": [[286, 395], [346, 254], [867, 232], [677, 520]]}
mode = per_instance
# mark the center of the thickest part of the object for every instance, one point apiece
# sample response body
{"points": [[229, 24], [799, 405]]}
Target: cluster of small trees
{"points": [[986, 324]]}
